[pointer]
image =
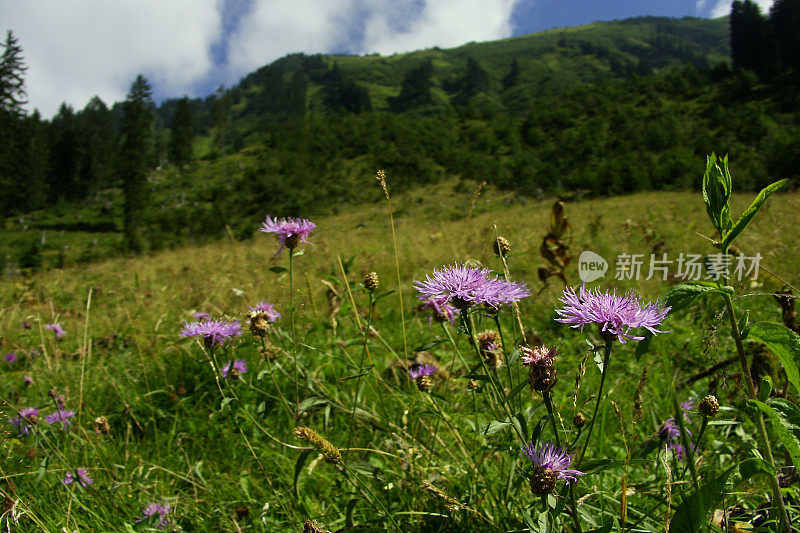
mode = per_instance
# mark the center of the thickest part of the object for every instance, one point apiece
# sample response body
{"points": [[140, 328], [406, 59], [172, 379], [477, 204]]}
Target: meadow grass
{"points": [[225, 454]]}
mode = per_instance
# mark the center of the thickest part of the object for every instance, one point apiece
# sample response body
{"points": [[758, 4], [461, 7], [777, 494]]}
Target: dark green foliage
{"points": [[134, 158], [181, 135], [12, 76], [510, 79], [343, 94], [752, 40], [415, 90], [785, 20]]}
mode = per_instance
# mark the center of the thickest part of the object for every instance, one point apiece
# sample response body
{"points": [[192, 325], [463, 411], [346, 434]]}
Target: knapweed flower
{"points": [[290, 231], [163, 510], [541, 361], [213, 331], [421, 374], [234, 369], [61, 416], [550, 463], [670, 434], [465, 287], [57, 330], [489, 347], [200, 316], [25, 325], [438, 309], [81, 475], [261, 316], [25, 420], [709, 406], [28, 381], [615, 315], [10, 357]]}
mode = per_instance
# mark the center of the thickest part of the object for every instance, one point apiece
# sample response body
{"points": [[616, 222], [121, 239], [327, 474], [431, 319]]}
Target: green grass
{"points": [[224, 455]]}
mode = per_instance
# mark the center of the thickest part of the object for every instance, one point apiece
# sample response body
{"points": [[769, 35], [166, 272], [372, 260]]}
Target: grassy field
{"points": [[222, 452]]}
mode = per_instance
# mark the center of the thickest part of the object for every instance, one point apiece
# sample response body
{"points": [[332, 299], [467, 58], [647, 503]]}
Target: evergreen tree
{"points": [[416, 88], [752, 40], [343, 94], [180, 142], [221, 110], [134, 158], [12, 80], [510, 79], [64, 156], [785, 21], [98, 140]]}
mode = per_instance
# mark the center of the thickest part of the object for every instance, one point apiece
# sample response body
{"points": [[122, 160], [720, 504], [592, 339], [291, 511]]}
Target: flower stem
{"points": [[606, 358], [766, 449], [294, 337], [548, 402]]}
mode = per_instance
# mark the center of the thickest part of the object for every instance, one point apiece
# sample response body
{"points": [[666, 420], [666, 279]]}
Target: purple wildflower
{"points": [[239, 368], [25, 420], [686, 407], [25, 325], [10, 357], [537, 355], [81, 475], [550, 463], [670, 433], [160, 509], [417, 371], [28, 381], [61, 416], [266, 310], [290, 231], [614, 314], [465, 287], [57, 330], [201, 316], [33, 354], [213, 331], [438, 309]]}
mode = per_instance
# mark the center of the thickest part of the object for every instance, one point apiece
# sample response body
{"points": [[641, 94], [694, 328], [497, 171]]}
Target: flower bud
{"points": [[543, 481], [579, 420], [501, 246], [709, 406], [371, 282]]}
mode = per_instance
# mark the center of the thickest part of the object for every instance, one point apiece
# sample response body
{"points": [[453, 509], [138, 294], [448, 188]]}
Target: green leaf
{"points": [[605, 529], [493, 427], [680, 296], [750, 212], [643, 346], [717, 193], [308, 403], [277, 270], [298, 468], [784, 417], [690, 516], [782, 342], [384, 295]]}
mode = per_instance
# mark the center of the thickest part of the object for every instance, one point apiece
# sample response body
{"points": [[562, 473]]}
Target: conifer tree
{"points": [[12, 77], [785, 22], [180, 142], [134, 158]]}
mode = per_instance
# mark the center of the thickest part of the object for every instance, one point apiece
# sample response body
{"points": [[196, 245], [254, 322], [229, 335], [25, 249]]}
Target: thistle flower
{"points": [[290, 231], [670, 433], [163, 510], [421, 374], [550, 463], [489, 347], [329, 452], [261, 316], [438, 309], [465, 287], [81, 475], [200, 316], [25, 420], [615, 315], [541, 361], [61, 416], [213, 331], [239, 368], [57, 330], [10, 357]]}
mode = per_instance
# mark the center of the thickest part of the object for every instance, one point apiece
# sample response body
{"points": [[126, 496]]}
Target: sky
{"points": [[76, 49]]}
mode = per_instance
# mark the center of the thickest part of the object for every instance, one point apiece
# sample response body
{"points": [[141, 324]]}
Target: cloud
{"points": [[394, 27], [75, 50], [723, 7]]}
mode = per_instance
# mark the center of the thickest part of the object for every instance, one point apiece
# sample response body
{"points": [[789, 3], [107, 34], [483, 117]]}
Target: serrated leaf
{"points": [[680, 296], [783, 343], [690, 516], [784, 417], [750, 212]]}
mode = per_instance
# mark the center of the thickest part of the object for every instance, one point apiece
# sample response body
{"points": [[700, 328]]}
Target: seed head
{"points": [[501, 246], [709, 406], [101, 425], [579, 420], [329, 452], [371, 282], [311, 526]]}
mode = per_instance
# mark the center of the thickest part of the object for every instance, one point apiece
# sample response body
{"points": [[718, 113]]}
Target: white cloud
{"points": [[444, 23], [723, 7], [75, 50], [274, 28]]}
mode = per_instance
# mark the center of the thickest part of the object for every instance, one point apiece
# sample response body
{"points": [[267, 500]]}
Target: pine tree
{"points": [[222, 114], [416, 88], [752, 39], [12, 80], [180, 142], [134, 158], [785, 20], [98, 141]]}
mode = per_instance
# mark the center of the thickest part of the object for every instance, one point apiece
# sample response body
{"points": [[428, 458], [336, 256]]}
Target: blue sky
{"points": [[78, 48]]}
